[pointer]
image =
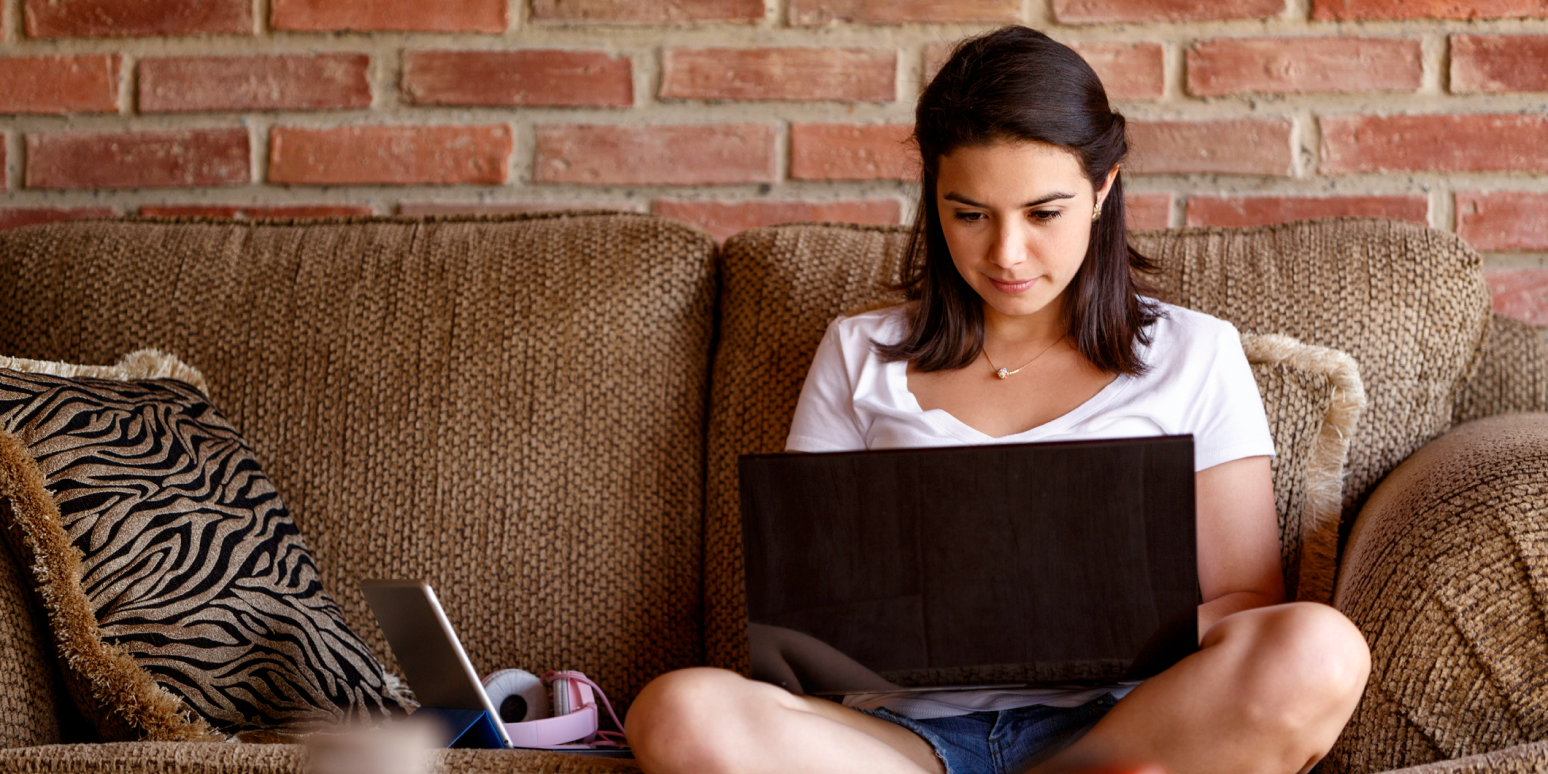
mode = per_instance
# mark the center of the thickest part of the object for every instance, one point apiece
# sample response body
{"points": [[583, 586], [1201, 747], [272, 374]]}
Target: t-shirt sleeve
{"points": [[825, 417], [1231, 423]]}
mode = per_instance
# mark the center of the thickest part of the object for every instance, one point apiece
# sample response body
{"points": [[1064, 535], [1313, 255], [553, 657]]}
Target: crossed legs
{"points": [[1269, 691]]}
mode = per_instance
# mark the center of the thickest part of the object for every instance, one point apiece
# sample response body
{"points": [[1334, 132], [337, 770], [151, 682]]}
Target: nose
{"points": [[1009, 249]]}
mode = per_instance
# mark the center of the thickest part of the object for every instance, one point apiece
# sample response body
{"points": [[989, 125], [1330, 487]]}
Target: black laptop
{"points": [[977, 566]]}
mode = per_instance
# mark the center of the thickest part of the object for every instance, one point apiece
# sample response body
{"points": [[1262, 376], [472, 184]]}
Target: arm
{"points": [[1238, 539]]}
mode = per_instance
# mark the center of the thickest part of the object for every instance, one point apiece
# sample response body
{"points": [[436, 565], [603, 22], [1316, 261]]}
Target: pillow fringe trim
{"points": [[1325, 469], [138, 365], [124, 700]]}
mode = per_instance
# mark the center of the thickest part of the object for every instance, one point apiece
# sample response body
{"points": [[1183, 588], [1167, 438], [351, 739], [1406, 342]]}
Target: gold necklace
{"points": [[1006, 374]]}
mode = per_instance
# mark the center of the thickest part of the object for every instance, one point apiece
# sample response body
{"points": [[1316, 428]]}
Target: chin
{"points": [[1020, 307]]}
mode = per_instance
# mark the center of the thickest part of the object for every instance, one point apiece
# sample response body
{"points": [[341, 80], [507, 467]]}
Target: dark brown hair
{"points": [[1017, 84]]}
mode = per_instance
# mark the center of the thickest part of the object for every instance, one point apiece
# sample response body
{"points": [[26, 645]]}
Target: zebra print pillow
{"points": [[189, 563]]}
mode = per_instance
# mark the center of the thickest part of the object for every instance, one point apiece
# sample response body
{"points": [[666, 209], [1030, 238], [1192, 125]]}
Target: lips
{"points": [[1013, 287]]}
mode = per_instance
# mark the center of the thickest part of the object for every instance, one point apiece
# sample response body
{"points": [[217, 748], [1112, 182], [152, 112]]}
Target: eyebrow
{"points": [[1044, 199]]}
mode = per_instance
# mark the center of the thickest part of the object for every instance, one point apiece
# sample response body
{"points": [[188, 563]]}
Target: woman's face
{"points": [[1017, 220]]}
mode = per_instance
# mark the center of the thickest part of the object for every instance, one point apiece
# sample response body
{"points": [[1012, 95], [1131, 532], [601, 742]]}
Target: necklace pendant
{"points": [[1002, 373]]}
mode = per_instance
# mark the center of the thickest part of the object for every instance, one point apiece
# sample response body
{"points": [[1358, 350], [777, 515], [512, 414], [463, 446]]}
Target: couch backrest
{"points": [[1407, 302], [512, 409], [781, 286], [1512, 373]]}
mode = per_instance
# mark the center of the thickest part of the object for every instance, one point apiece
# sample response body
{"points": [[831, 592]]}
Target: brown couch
{"points": [[541, 415]]}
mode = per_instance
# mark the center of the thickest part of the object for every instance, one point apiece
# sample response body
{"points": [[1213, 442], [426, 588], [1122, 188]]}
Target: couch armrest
{"points": [[1446, 573], [1521, 759], [214, 758]]}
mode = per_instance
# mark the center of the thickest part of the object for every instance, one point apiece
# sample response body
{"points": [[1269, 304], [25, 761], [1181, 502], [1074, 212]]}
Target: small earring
{"points": [[1096, 212]]}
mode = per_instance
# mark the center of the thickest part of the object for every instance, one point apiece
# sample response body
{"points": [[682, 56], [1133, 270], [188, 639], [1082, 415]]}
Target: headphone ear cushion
{"points": [[517, 695]]}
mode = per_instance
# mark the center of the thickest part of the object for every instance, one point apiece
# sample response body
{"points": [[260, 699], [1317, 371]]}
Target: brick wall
{"points": [[735, 113]]}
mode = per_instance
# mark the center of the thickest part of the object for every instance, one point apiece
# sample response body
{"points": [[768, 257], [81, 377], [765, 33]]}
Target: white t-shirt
{"points": [[1198, 382]]}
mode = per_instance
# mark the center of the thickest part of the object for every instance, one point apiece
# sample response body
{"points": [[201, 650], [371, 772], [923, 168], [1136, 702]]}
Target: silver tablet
{"points": [[427, 649]]}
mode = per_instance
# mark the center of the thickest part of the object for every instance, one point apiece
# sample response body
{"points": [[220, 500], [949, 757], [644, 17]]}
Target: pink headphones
{"points": [[523, 702]]}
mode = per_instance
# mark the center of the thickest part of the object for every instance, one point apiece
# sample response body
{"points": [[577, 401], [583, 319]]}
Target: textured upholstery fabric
{"points": [[1446, 573], [1522, 759], [199, 758], [182, 555], [512, 409], [1512, 374], [1408, 303], [29, 713], [783, 285], [780, 288]]}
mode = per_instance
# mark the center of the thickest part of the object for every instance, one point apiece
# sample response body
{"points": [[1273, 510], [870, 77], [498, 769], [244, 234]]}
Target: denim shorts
{"points": [[1003, 741]]}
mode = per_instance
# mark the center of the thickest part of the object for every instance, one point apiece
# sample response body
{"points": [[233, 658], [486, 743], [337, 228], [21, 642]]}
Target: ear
{"points": [[1107, 185]]}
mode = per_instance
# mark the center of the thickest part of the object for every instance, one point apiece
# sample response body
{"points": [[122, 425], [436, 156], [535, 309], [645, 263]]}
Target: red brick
{"points": [[853, 152], [1493, 63], [389, 155], [85, 83], [1259, 210], [1128, 70], [528, 77], [1116, 11], [1134, 71], [131, 18], [16, 217], [181, 158], [646, 11], [422, 209], [292, 82], [1520, 293], [254, 211], [1343, 10], [813, 12], [1298, 65], [667, 155], [1147, 211], [1239, 146], [722, 219], [1506, 220], [406, 15], [843, 74], [1440, 143]]}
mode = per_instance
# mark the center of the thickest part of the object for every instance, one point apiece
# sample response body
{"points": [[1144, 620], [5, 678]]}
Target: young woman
{"points": [[1025, 324]]}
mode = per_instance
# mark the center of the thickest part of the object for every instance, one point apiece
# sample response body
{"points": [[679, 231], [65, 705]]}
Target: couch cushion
{"points": [[510, 408], [197, 758], [784, 284], [1409, 303], [151, 532]]}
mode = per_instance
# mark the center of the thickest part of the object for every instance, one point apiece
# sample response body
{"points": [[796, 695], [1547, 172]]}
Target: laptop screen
{"points": [[1015, 564]]}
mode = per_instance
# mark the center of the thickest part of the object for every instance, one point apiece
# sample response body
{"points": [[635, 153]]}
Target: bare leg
{"points": [[1269, 691], [711, 720]]}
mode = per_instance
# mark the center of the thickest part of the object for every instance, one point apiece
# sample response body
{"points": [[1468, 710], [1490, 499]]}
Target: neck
{"points": [[1045, 325]]}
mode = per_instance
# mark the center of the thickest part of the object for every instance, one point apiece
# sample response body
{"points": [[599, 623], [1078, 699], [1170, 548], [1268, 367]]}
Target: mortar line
{"points": [[15, 151], [128, 76]]}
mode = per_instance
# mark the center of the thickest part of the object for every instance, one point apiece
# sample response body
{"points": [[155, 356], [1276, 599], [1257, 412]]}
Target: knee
{"points": [[1304, 666], [678, 722]]}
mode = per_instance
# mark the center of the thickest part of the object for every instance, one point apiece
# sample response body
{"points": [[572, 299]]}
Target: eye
{"points": [[1045, 215], [969, 216]]}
